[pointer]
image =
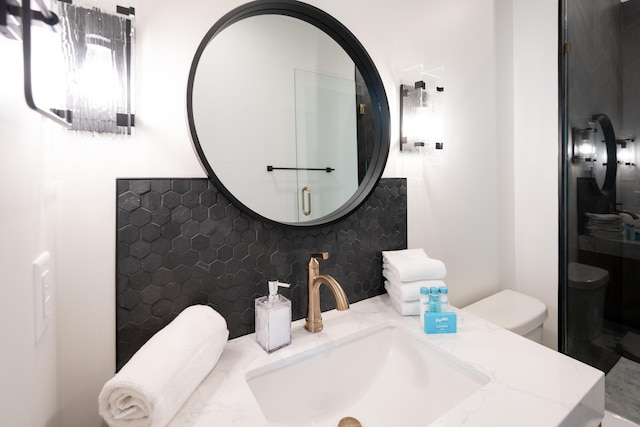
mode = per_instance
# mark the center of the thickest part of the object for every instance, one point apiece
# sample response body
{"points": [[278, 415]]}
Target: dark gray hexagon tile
{"points": [[181, 185], [241, 250], [129, 234], [171, 260], [216, 212], [161, 276], [140, 249], [161, 308], [208, 255], [161, 246], [231, 255], [208, 198], [190, 199], [171, 199], [189, 228], [152, 323], [208, 227], [181, 244], [122, 185], [225, 253], [240, 224], [181, 273], [199, 213], [199, 185], [161, 186], [180, 214], [140, 186], [151, 294], [180, 303], [190, 258], [129, 299], [170, 230], [128, 201], [128, 266], [232, 265], [150, 232], [248, 263], [217, 268], [199, 242], [152, 263], [151, 200], [161, 215], [140, 280], [140, 313], [171, 291]]}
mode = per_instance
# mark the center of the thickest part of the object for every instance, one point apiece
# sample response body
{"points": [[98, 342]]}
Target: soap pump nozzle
{"points": [[273, 288]]}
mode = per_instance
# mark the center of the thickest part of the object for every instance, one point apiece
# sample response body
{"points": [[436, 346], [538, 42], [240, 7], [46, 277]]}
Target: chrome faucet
{"points": [[314, 316]]}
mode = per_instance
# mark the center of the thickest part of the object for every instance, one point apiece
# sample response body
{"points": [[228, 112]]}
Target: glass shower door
{"points": [[326, 142], [601, 200]]}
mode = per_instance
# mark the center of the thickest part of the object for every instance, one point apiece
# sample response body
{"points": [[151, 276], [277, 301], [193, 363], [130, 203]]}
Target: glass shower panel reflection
{"points": [[326, 139], [603, 289]]}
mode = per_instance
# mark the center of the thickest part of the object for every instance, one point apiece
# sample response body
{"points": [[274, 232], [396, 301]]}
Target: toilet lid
{"points": [[582, 276], [511, 310]]}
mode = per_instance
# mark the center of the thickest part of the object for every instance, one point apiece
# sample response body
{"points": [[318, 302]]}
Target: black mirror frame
{"points": [[609, 184], [362, 61]]}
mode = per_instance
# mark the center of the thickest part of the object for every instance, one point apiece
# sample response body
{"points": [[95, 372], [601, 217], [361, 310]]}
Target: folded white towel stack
{"points": [[150, 389], [605, 226], [406, 272], [413, 264]]}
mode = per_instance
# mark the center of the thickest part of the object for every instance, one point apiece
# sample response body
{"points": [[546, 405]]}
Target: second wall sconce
{"points": [[421, 117]]}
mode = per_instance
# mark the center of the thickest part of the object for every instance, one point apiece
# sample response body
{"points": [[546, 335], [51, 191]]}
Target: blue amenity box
{"points": [[440, 323]]}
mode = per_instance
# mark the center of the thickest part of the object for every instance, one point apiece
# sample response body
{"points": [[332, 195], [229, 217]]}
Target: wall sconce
{"points": [[97, 50], [584, 145], [421, 117], [626, 152]]}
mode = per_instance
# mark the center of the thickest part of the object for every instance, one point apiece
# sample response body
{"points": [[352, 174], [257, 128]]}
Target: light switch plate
{"points": [[43, 293]]}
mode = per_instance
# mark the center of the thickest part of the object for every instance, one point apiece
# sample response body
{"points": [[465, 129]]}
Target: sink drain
{"points": [[349, 422]]}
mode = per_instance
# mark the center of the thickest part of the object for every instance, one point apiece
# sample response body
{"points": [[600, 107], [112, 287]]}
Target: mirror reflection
{"points": [[280, 114]]}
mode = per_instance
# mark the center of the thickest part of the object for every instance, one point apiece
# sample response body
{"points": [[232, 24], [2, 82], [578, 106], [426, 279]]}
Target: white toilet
{"points": [[519, 313], [587, 291]]}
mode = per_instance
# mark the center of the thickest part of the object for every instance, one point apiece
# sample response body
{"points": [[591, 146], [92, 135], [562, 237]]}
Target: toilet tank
{"points": [[519, 313]]}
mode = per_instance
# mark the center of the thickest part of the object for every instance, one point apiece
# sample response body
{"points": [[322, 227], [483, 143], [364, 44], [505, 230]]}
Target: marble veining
{"points": [[622, 385], [529, 384]]}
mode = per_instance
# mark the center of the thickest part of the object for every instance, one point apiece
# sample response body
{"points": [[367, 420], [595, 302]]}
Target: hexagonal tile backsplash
{"points": [[181, 242]]}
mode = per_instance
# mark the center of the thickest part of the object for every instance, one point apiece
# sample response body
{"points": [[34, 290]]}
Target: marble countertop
{"points": [[529, 384], [620, 248]]}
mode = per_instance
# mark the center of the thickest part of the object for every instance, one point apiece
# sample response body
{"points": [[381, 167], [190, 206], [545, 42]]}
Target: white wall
{"points": [[536, 158], [488, 210], [28, 374]]}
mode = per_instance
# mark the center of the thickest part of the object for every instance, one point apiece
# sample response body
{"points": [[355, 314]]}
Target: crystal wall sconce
{"points": [[584, 144], [85, 65], [421, 117]]}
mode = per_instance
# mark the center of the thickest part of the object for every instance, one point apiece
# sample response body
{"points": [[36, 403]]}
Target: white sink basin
{"points": [[383, 376]]}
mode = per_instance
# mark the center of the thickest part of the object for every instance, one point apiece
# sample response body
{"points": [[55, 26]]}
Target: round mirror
{"points": [[288, 113]]}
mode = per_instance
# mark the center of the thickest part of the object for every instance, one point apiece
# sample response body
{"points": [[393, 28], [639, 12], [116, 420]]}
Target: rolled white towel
{"points": [[411, 308], [410, 291], [413, 264], [155, 383]]}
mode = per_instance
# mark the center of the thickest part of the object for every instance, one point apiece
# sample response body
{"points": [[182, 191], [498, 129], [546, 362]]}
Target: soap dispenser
{"points": [[273, 319]]}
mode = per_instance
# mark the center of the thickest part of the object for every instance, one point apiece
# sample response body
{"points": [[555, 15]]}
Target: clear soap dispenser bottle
{"points": [[273, 319]]}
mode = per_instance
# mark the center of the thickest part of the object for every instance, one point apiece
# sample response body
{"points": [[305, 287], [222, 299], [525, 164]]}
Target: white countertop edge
{"points": [[530, 385]]}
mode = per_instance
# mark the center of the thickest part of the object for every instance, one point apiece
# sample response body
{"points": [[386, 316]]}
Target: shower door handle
{"points": [[306, 191]]}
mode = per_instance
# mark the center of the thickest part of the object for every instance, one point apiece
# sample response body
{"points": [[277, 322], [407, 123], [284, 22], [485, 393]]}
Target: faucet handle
{"points": [[320, 255]]}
